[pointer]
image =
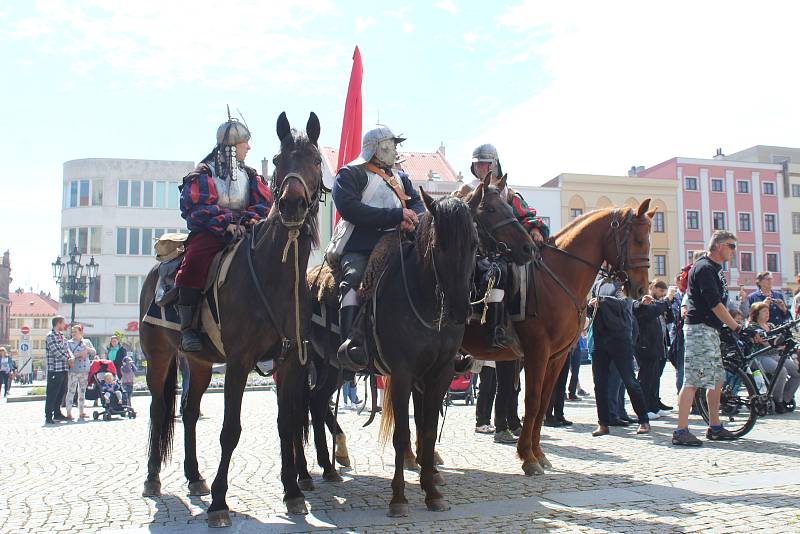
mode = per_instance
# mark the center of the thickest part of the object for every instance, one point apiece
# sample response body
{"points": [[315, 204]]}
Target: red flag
{"points": [[350, 143]]}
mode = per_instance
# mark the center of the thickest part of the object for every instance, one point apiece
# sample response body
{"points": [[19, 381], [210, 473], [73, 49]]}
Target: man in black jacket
{"points": [[653, 313], [613, 334], [373, 198]]}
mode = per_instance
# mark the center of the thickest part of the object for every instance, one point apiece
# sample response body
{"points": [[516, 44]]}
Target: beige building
{"points": [[581, 193], [35, 311]]}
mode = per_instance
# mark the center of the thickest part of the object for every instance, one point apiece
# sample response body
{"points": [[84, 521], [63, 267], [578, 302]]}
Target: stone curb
{"points": [[145, 393]]}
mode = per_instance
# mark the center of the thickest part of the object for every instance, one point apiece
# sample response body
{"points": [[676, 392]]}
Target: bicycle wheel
{"points": [[737, 406]]}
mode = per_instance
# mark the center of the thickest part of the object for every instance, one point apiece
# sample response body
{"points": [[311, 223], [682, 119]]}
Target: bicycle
{"points": [[741, 402]]}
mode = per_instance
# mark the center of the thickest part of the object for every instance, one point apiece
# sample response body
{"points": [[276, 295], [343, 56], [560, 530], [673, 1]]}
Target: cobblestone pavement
{"points": [[88, 476]]}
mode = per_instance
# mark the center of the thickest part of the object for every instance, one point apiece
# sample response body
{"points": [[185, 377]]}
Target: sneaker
{"points": [[685, 438], [723, 434], [582, 393], [564, 422], [517, 432], [504, 436], [662, 406], [664, 413], [652, 416], [484, 429], [58, 416], [618, 422], [574, 397]]}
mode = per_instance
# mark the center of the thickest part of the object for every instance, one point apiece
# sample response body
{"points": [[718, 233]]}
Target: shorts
{"points": [[702, 364]]}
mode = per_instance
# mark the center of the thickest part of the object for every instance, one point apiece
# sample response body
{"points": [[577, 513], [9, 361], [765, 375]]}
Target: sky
{"points": [[590, 87]]}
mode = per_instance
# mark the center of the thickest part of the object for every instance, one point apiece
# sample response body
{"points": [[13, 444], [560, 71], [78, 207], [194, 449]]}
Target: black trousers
{"points": [[486, 392], [506, 405], [649, 377], [622, 356], [56, 390], [574, 369], [556, 408]]}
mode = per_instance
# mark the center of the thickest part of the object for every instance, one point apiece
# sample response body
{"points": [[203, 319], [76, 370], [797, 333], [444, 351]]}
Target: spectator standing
{"points": [[613, 337], [778, 312], [78, 375], [486, 393], [653, 313], [555, 412], [575, 358], [617, 414], [58, 360], [7, 367], [349, 391], [116, 353], [128, 377], [507, 425], [706, 314]]}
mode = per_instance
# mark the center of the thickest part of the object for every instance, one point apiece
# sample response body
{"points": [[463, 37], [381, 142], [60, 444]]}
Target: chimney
{"points": [[632, 170], [440, 150], [265, 168], [719, 154]]}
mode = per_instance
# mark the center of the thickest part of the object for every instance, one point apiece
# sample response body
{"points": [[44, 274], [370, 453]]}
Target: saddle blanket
{"points": [[516, 302]]}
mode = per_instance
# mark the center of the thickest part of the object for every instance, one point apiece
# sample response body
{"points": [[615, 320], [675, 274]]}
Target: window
{"points": [[658, 221], [126, 289], [690, 183], [79, 193], [796, 190], [174, 195], [718, 220], [147, 197], [693, 220], [660, 265], [746, 261], [83, 240], [575, 212], [83, 188], [133, 241], [768, 188], [94, 290], [742, 186], [97, 192], [797, 262], [772, 262], [161, 195], [744, 222], [795, 223], [769, 222], [147, 241], [86, 239], [122, 240], [95, 239], [122, 193], [716, 185], [136, 193]]}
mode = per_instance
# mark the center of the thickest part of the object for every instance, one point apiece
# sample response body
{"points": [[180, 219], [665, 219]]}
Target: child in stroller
{"points": [[103, 385]]}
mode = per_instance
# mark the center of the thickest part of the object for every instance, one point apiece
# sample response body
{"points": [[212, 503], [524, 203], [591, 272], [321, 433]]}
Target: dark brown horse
{"points": [[264, 310], [570, 262]]}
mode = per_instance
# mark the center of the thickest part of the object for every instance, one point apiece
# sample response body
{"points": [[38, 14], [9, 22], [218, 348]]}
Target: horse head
{"points": [[629, 247], [448, 240], [297, 179], [499, 230]]}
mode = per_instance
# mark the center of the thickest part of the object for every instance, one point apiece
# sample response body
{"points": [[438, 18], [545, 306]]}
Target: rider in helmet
{"points": [[486, 161], [375, 198], [219, 198]]}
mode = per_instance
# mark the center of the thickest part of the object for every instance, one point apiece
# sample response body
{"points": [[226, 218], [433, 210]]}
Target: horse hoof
{"points": [[437, 460], [344, 461], [198, 488], [296, 506], [331, 476], [398, 510], [151, 489], [306, 484], [437, 505], [410, 464], [219, 519], [438, 479], [545, 463], [532, 468]]}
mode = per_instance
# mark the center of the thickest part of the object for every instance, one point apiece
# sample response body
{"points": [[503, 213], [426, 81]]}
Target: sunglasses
{"points": [[732, 246]]}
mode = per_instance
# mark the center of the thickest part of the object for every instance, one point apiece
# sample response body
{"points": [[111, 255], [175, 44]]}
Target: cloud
{"points": [[447, 5], [401, 15], [638, 83], [362, 23]]}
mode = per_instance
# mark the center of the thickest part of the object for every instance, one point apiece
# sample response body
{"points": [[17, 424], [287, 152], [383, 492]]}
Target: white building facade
{"points": [[114, 210]]}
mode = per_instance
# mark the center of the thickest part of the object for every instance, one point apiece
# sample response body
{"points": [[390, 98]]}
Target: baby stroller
{"points": [[461, 388], [94, 391]]}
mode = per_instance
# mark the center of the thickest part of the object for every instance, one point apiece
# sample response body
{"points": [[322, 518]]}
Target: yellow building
{"points": [[581, 193]]}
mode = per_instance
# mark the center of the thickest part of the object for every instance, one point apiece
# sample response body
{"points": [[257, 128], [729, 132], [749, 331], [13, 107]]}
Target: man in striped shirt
{"points": [[58, 360]]}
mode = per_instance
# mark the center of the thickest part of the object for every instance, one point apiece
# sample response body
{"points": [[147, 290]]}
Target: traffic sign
{"points": [[25, 330], [24, 347]]}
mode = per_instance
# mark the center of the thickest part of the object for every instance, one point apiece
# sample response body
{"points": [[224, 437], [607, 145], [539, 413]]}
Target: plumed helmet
{"points": [[486, 153], [232, 132], [371, 141]]}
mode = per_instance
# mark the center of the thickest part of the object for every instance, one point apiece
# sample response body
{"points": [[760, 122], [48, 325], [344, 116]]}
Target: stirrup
{"points": [[347, 361]]}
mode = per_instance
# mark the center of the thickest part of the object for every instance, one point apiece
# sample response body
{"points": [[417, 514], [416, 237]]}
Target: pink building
{"points": [[743, 197]]}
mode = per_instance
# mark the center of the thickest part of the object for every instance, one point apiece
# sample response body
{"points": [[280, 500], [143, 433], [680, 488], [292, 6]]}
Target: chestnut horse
{"points": [[265, 310], [569, 263]]}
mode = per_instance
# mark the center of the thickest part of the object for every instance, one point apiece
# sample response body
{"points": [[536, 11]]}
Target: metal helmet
{"points": [[371, 141], [486, 153], [232, 132]]}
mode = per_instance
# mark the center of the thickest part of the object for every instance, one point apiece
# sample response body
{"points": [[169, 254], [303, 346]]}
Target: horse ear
{"points": [[487, 180], [476, 198], [430, 205], [312, 128], [283, 127], [501, 184], [643, 207], [652, 212]]}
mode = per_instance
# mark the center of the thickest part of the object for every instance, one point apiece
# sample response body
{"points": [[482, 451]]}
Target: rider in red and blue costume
{"points": [[219, 198]]}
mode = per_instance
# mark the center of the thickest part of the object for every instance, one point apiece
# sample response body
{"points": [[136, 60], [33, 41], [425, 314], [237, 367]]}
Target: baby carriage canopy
{"points": [[99, 366]]}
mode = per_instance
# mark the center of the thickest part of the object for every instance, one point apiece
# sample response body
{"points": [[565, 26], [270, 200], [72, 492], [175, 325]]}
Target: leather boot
{"points": [[496, 319], [351, 353], [190, 339]]}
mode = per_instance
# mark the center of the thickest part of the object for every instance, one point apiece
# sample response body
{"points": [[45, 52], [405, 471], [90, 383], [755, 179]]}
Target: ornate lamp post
{"points": [[72, 283]]}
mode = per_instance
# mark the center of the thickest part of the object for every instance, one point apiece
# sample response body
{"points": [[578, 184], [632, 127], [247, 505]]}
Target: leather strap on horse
{"points": [[392, 182]]}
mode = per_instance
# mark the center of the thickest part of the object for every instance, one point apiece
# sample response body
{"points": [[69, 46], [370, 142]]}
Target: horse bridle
{"points": [[500, 247]]}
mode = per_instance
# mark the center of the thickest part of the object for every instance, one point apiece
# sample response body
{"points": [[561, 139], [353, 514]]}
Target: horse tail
{"points": [[387, 413], [167, 429]]}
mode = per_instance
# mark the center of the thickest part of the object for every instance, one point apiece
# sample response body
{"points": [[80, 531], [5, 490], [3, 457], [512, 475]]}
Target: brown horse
{"points": [[569, 264], [265, 309]]}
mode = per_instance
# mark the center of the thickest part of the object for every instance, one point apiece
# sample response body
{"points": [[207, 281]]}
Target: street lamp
{"points": [[72, 284]]}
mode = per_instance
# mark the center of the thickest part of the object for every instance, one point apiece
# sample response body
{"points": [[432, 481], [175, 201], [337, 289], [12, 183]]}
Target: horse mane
{"points": [[298, 141], [453, 224], [567, 234]]}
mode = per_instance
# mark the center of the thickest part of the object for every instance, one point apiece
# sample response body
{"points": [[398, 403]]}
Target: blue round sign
{"points": [[23, 347]]}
